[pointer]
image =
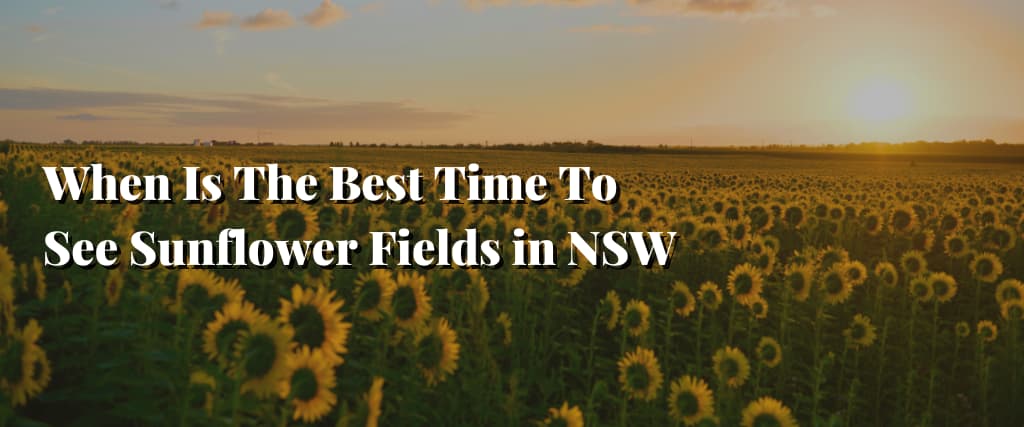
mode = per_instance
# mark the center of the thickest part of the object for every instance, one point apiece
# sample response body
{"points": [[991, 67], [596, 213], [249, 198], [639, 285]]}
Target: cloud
{"points": [[233, 110], [480, 4], [325, 15], [39, 34], [717, 8], [85, 117], [53, 10], [268, 19], [214, 19], [606, 28], [275, 80], [169, 4]]}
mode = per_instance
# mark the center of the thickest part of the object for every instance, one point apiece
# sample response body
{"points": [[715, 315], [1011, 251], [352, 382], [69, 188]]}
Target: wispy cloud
{"points": [[53, 10], [239, 110], [84, 117], [326, 14], [39, 34], [275, 80], [268, 19], [214, 19], [717, 8], [169, 4], [618, 29], [479, 4]]}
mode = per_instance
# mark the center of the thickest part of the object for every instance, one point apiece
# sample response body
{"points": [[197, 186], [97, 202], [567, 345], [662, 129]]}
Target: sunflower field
{"points": [[799, 293]]}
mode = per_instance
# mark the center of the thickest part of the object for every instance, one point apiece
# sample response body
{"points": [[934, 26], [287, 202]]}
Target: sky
{"points": [[678, 72]]}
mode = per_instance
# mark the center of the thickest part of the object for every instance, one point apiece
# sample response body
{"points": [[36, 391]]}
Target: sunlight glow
{"points": [[880, 99]]}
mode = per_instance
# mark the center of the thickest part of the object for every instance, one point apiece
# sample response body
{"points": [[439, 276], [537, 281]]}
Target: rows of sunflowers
{"points": [[791, 299]]}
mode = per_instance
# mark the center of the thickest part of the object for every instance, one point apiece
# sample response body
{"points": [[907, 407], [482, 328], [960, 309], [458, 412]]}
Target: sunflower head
{"points": [[565, 416], [609, 309], [962, 329], [861, 333], [745, 282], [636, 317], [836, 288], [682, 299], [307, 385], [731, 366], [690, 400], [640, 374], [769, 352], [437, 351], [986, 267], [710, 295], [767, 411], [987, 330]]}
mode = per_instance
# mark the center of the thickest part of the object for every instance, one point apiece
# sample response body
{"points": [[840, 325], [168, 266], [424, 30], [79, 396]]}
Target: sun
{"points": [[880, 99]]}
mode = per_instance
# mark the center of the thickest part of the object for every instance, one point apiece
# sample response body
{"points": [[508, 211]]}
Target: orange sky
{"points": [[715, 72]]}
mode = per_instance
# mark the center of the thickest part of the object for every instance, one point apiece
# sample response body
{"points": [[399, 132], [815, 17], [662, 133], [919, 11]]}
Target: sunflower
{"points": [[745, 283], [609, 309], [986, 267], [203, 292], [831, 257], [759, 308], [565, 416], [731, 366], [797, 280], [836, 287], [640, 374], [903, 219], [7, 272], [1012, 310], [956, 246], [710, 295], [1009, 290], [221, 335], [373, 293], [261, 354], [769, 352], [887, 274], [767, 411], [913, 263], [987, 330], [690, 400], [410, 304], [636, 317], [373, 399], [307, 385], [921, 289], [505, 322], [467, 284], [20, 379], [855, 272], [873, 224], [316, 318], [711, 237], [206, 385], [861, 333], [291, 222], [944, 286], [794, 215], [962, 329], [682, 299], [437, 351]]}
